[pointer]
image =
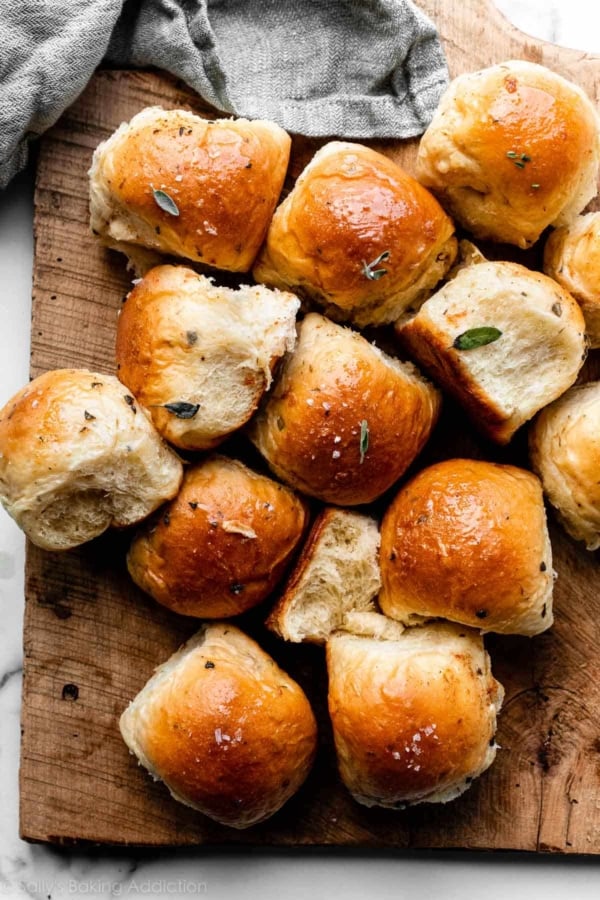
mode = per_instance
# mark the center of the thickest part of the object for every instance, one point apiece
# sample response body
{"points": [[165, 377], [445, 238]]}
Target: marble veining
{"points": [[48, 873]]}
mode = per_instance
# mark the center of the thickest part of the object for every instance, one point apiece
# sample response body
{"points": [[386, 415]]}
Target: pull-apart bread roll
{"points": [[511, 149], [414, 717], [344, 420], [467, 541], [503, 340], [222, 544], [572, 257], [77, 454], [203, 190], [337, 574], [359, 236], [227, 731], [564, 443], [198, 356]]}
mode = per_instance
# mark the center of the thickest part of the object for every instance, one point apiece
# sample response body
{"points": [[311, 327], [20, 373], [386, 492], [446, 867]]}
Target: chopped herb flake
{"points": [[166, 203], [476, 337], [364, 439], [181, 409], [369, 270]]}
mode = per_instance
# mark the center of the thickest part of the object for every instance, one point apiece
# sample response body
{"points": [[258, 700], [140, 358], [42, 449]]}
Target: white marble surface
{"points": [[44, 872]]}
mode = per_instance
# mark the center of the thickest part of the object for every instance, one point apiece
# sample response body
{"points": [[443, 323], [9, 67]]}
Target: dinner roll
{"points": [[182, 185], [337, 573], [358, 236], [199, 356], [572, 257], [467, 540], [414, 717], [511, 149], [344, 420], [564, 443], [77, 454], [503, 340], [222, 544], [227, 731]]}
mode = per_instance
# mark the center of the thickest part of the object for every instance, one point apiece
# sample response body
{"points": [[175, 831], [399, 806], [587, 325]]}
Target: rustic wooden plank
{"points": [[92, 639]]}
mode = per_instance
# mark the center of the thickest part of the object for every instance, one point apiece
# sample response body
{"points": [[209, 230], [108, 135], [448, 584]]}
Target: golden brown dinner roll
{"points": [[344, 420], [467, 540], [503, 340], [564, 443], [199, 356], [359, 236], [77, 454], [179, 184], [227, 731], [222, 544], [572, 257], [337, 574], [414, 717], [511, 149]]}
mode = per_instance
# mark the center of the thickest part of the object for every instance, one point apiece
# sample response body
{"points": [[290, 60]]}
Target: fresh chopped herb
{"points": [[369, 270], [166, 203], [181, 409], [280, 423], [519, 159], [364, 439], [476, 337], [191, 337], [88, 416]]}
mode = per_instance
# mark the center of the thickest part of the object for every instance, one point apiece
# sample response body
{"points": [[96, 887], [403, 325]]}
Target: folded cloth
{"points": [[346, 68]]}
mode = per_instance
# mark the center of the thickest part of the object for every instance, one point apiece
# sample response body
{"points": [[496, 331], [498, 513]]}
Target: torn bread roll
{"points": [[337, 574], [200, 356], [344, 420], [359, 236], [467, 540], [503, 340], [178, 184], [572, 257], [564, 445], [227, 731], [220, 547], [414, 716], [510, 150], [77, 455]]}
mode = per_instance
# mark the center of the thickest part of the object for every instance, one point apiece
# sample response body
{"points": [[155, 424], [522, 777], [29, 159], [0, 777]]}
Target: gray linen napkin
{"points": [[346, 68]]}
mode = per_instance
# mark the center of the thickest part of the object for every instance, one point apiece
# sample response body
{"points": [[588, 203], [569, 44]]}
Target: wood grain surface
{"points": [[92, 639]]}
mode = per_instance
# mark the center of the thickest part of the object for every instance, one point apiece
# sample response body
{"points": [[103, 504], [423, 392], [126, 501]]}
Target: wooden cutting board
{"points": [[92, 639]]}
